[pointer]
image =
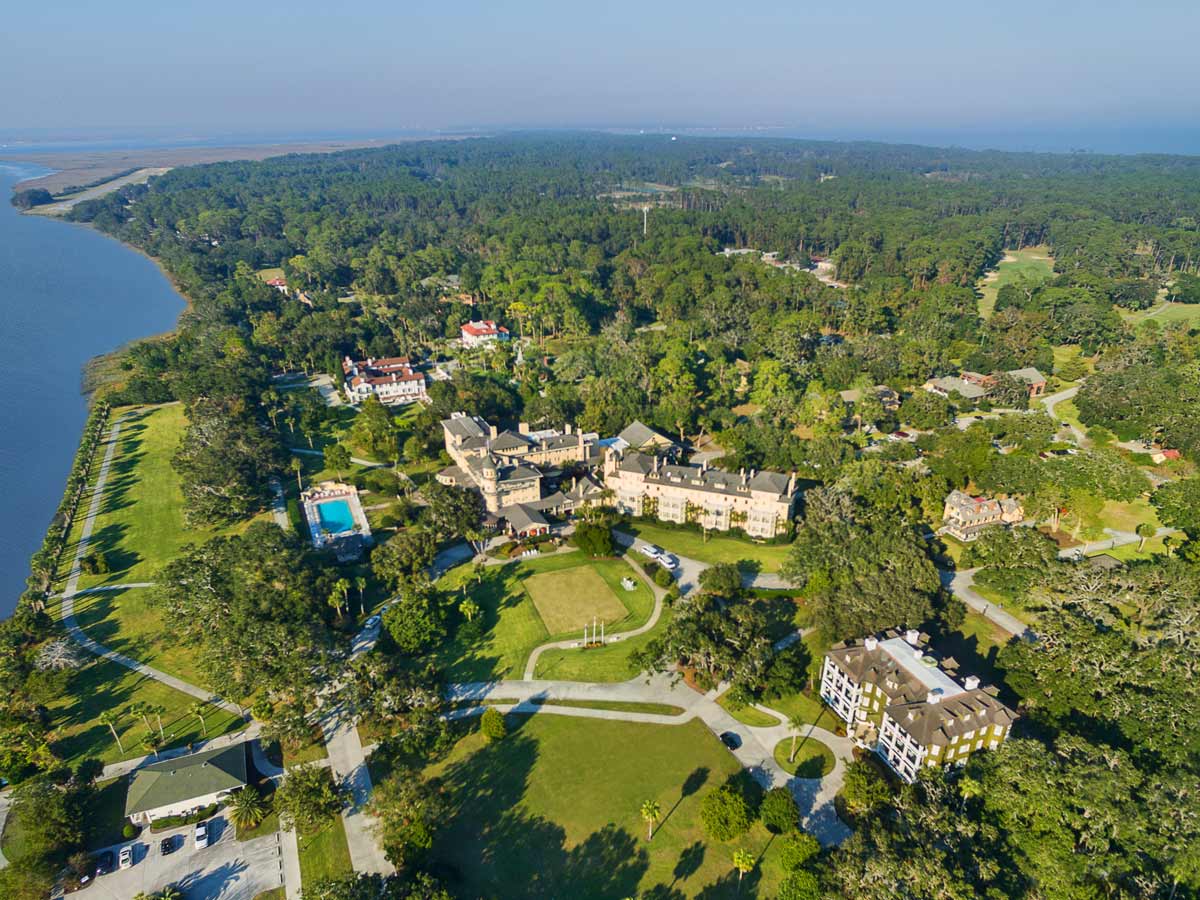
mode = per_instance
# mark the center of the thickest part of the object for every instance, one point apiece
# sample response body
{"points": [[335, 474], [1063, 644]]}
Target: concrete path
{"points": [[365, 463], [323, 384], [962, 581], [659, 600], [1117, 539], [4, 804], [279, 505], [69, 592]]}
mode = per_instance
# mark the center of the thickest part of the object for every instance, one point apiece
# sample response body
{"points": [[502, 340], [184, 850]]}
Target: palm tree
{"points": [[197, 710], [157, 712], [651, 812], [298, 467], [743, 861], [247, 808], [109, 718], [170, 892], [337, 596], [360, 582], [469, 608], [153, 743], [143, 710], [795, 723], [968, 788]]}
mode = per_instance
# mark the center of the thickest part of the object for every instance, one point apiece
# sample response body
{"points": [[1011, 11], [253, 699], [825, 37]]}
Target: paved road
{"points": [[962, 582], [279, 505], [1052, 400], [687, 575], [1116, 539]]}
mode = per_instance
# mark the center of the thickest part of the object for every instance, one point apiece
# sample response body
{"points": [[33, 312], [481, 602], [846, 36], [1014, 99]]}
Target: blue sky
{"points": [[1017, 74]]}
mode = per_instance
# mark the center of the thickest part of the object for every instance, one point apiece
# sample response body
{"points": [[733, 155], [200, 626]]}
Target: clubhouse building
{"points": [[901, 701], [177, 787]]}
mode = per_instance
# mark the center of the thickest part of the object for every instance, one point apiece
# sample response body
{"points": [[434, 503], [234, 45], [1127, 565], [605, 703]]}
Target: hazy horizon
{"points": [[1076, 76]]}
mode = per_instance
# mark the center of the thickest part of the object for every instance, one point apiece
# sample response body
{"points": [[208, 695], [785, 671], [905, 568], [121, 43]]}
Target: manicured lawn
{"points": [[717, 549], [568, 599], [809, 709], [103, 685], [310, 751], [273, 894], [140, 525], [747, 715], [658, 709], [975, 646], [126, 621], [1065, 411], [106, 814], [1163, 313], [553, 811], [1127, 552], [511, 626], [1127, 516], [1032, 262], [324, 854], [813, 759], [613, 662]]}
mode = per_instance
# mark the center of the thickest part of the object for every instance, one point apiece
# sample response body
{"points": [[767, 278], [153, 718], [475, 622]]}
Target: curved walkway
{"points": [[656, 613]]}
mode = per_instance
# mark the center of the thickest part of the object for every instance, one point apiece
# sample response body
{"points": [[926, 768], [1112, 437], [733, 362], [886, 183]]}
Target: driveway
{"points": [[227, 869]]}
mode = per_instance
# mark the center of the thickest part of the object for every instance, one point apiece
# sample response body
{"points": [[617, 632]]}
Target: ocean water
{"points": [[67, 294]]}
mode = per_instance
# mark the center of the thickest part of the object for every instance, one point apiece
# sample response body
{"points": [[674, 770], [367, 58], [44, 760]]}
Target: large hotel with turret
{"points": [[523, 474]]}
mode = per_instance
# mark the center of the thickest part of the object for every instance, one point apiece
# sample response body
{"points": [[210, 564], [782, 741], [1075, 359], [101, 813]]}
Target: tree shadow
{"points": [[691, 784]]}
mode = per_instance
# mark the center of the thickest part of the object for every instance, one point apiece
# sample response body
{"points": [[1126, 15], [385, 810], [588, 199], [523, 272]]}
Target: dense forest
{"points": [[1099, 796]]}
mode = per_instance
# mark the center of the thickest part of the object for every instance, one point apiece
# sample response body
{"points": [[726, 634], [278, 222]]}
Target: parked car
{"points": [[125, 860], [668, 562], [655, 553], [373, 621], [201, 835], [731, 739], [104, 862], [166, 846]]}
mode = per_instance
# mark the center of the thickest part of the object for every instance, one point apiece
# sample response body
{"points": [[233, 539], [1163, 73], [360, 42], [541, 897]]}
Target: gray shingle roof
{"points": [[638, 435]]}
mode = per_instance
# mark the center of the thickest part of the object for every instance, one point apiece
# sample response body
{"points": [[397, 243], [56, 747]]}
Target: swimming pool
{"points": [[335, 516]]}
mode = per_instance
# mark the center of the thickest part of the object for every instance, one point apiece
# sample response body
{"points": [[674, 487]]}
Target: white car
{"points": [[201, 835], [373, 621], [655, 553], [668, 562], [125, 857]]}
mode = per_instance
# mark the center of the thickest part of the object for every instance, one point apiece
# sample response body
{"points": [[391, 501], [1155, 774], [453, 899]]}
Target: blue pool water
{"points": [[335, 516]]}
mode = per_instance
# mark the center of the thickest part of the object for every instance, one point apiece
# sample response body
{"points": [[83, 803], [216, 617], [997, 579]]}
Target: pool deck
{"points": [[330, 493]]}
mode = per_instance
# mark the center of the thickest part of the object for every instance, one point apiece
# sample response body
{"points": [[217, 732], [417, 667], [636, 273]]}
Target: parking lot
{"points": [[227, 869]]}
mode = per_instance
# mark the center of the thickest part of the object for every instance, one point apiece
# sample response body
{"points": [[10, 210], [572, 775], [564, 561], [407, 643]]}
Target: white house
{"points": [[476, 334], [177, 787]]}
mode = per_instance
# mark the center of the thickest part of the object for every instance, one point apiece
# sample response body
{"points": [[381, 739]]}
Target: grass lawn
{"points": [[1127, 516], [613, 662], [324, 854], [747, 715], [273, 894], [567, 599], [127, 622], [1032, 262], [511, 626], [1163, 313], [813, 759], [103, 685], [1129, 552], [809, 709], [553, 810], [1065, 411], [140, 523], [975, 646], [106, 814], [717, 549], [310, 751]]}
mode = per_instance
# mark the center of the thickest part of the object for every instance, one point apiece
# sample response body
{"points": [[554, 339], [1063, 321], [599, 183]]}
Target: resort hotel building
{"points": [[901, 701], [336, 520], [965, 517]]}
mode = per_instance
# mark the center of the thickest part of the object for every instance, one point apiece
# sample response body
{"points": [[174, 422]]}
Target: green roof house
{"points": [[175, 787]]}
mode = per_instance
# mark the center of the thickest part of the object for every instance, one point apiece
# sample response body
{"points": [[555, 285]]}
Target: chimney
{"points": [[912, 636], [522, 428], [753, 472], [567, 428], [917, 654], [871, 643], [495, 432], [792, 483], [971, 682], [934, 696]]}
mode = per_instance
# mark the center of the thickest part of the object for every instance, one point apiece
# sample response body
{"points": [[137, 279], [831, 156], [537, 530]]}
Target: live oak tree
{"points": [[307, 798]]}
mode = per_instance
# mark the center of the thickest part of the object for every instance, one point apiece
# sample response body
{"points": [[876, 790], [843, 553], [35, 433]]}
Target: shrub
{"points": [[129, 831], [800, 886], [779, 811], [863, 789], [663, 578], [650, 567], [492, 724], [594, 540], [725, 813], [797, 849]]}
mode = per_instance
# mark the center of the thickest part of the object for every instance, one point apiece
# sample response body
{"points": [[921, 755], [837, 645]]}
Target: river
{"points": [[67, 294]]}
